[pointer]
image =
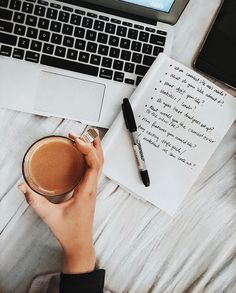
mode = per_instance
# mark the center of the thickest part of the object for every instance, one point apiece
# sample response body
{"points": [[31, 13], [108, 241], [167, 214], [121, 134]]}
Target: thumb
{"points": [[40, 204]]}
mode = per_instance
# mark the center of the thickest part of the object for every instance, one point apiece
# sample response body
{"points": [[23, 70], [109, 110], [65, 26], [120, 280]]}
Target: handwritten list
{"points": [[181, 119]]}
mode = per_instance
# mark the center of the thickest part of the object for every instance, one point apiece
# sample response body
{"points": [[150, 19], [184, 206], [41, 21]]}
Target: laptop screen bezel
{"points": [[170, 17]]}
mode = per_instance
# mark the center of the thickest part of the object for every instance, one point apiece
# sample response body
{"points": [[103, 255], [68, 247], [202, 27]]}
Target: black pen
{"points": [[131, 125]]}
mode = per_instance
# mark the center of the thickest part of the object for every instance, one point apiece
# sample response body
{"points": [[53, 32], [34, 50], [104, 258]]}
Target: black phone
{"points": [[217, 56]]}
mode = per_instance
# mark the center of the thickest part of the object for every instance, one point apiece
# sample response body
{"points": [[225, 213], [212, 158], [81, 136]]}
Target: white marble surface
{"points": [[141, 248]]}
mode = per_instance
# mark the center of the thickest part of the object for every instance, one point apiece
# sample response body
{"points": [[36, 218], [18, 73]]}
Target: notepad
{"points": [[181, 119]]}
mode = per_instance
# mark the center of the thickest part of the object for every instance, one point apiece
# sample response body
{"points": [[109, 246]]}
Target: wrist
{"points": [[78, 261]]}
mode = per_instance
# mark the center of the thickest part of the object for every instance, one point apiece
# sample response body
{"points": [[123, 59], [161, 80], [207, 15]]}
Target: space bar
{"points": [[69, 65]]}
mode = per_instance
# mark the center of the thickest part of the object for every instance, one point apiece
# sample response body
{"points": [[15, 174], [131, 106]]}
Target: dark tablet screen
{"points": [[218, 55]]}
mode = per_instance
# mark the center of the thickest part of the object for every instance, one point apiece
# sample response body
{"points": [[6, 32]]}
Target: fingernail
{"points": [[22, 188]]}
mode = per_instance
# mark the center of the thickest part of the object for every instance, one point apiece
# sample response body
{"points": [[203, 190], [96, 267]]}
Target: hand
{"points": [[72, 221]]}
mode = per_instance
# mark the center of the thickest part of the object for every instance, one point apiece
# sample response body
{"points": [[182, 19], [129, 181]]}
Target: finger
{"points": [[88, 184], [73, 135], [40, 204], [98, 146]]}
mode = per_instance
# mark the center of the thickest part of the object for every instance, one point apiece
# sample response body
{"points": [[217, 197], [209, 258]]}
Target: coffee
{"points": [[53, 166]]}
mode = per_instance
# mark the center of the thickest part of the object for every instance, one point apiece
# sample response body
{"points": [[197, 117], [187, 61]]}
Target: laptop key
{"points": [[36, 46], [106, 62], [39, 10], [115, 20], [68, 42], [118, 64], [69, 65], [99, 25], [103, 50], [121, 31], [95, 59], [79, 32], [129, 67], [19, 30], [72, 54], [56, 39], [32, 56], [31, 20], [79, 11], [60, 51], [84, 57], [15, 4], [91, 35], [143, 36], [4, 3], [132, 34], [87, 22], [48, 48], [5, 14], [67, 29], [80, 44], [157, 40], [52, 13], [157, 50], [5, 50], [114, 52], [92, 14], [148, 60], [137, 58], [54, 5], [136, 46], [43, 23], [141, 70], [147, 49], [125, 43], [140, 27], [102, 17], [44, 36], [91, 47], [32, 33], [64, 16], [18, 53], [106, 73], [19, 17], [159, 32], [43, 2], [66, 8], [27, 7], [75, 19], [102, 38], [23, 43], [55, 26], [119, 76], [114, 41], [8, 39], [110, 28], [129, 81], [125, 55], [6, 26], [138, 80]]}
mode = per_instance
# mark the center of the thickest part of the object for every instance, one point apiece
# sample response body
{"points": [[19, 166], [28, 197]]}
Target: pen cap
{"points": [[128, 115]]}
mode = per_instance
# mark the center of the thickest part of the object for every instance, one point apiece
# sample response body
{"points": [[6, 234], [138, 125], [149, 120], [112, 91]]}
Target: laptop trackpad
{"points": [[69, 97]]}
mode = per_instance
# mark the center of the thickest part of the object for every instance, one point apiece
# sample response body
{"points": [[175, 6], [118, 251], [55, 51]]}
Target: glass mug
{"points": [[53, 166]]}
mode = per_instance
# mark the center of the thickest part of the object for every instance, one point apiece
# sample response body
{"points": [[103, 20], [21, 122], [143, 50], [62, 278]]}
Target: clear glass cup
{"points": [[53, 167]]}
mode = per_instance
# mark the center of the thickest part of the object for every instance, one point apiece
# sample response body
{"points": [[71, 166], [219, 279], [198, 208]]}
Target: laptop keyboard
{"points": [[77, 40]]}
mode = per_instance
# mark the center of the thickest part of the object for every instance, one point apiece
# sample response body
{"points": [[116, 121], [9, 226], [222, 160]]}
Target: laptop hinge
{"points": [[111, 11]]}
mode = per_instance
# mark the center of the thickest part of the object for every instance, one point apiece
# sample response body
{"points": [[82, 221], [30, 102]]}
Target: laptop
{"points": [[79, 59]]}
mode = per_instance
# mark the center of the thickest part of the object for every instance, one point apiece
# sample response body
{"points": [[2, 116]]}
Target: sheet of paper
{"points": [[181, 119]]}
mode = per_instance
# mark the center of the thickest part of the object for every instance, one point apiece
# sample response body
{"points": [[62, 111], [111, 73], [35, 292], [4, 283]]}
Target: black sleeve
{"points": [[83, 283]]}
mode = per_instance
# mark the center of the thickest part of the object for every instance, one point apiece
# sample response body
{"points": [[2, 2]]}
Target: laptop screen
{"points": [[160, 5]]}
